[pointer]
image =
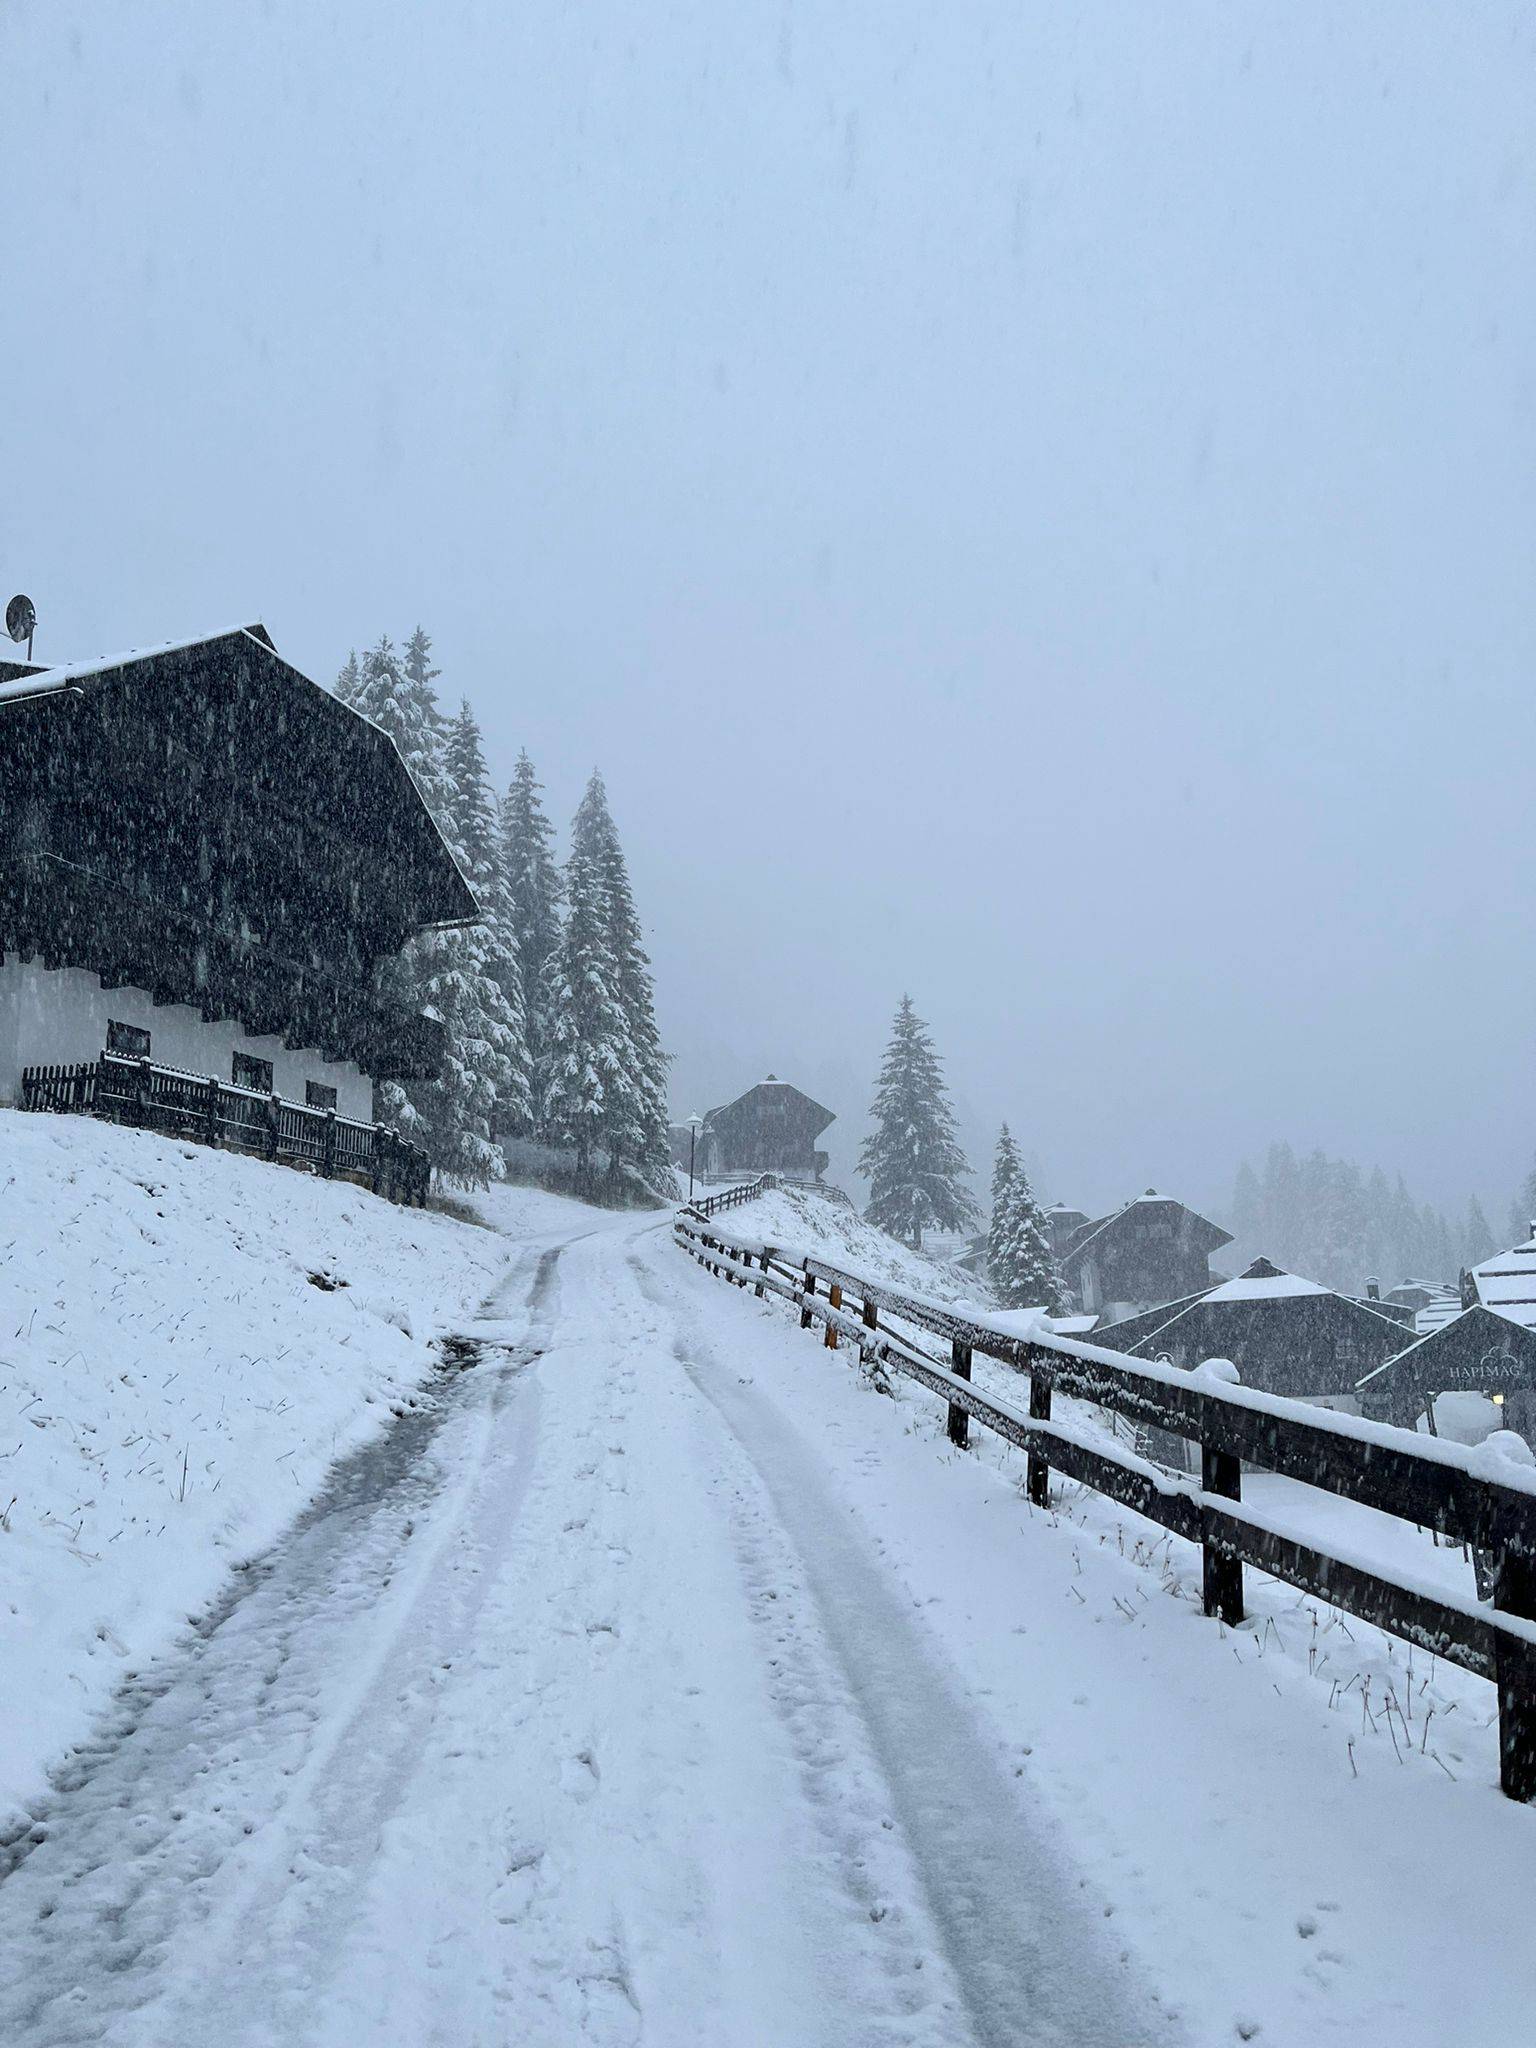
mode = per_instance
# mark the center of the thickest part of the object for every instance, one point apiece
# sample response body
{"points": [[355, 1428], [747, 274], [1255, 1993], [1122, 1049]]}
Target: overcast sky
{"points": [[1031, 504]]}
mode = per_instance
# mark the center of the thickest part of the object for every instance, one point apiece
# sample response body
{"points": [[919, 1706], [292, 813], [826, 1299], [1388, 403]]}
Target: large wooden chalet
{"points": [[1154, 1249], [772, 1128], [207, 863]]}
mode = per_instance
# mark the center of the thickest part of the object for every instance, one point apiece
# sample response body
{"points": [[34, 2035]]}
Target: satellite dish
{"points": [[21, 620]]}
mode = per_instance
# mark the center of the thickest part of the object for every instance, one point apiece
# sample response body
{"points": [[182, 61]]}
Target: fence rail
{"points": [[212, 1112], [1432, 1484], [748, 1190]]}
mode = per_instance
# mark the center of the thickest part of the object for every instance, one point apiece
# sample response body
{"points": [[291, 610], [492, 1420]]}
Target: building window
{"points": [[250, 1072], [132, 1040], [318, 1096]]}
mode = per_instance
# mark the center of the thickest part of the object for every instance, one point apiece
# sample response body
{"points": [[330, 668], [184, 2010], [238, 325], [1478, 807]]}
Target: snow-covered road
{"points": [[580, 1709]]}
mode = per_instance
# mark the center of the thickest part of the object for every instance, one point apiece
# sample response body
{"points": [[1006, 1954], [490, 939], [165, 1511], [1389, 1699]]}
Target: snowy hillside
{"points": [[187, 1340], [793, 1220]]}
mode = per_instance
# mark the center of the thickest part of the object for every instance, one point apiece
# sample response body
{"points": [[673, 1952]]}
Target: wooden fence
{"points": [[212, 1112], [748, 1190], [1428, 1482]]}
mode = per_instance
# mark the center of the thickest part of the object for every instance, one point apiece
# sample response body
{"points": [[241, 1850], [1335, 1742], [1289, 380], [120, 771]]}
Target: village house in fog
{"points": [[772, 1128], [1152, 1250], [1285, 1334], [1486, 1346]]}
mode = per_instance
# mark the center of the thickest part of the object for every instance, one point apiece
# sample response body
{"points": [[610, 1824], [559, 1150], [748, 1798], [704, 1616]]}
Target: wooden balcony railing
{"points": [[213, 1112]]}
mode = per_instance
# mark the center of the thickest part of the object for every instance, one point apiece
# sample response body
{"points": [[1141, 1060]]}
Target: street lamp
{"points": [[695, 1124]]}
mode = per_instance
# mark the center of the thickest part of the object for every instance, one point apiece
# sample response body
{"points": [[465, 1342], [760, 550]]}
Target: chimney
{"points": [[1373, 1290]]}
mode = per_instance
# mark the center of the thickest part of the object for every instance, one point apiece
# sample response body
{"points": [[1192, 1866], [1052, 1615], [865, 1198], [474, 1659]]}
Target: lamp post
{"points": [[695, 1124]]}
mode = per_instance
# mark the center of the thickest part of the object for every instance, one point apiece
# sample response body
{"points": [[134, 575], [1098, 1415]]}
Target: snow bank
{"points": [[187, 1340], [792, 1220]]}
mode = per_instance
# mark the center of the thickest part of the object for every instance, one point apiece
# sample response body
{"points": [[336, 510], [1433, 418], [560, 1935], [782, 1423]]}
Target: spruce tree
{"points": [[473, 832], [1020, 1265], [396, 694], [1522, 1216], [349, 681], [912, 1159], [534, 893], [635, 1131], [590, 1057]]}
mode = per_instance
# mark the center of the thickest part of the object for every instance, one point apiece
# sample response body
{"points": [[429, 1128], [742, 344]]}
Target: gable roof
{"points": [[1263, 1287], [1197, 1229], [449, 898], [779, 1092], [1516, 1337]]}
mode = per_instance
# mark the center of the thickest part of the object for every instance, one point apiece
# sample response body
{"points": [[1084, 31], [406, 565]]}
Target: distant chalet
{"points": [[1152, 1250], [1487, 1346], [206, 859], [772, 1128], [1285, 1335]]}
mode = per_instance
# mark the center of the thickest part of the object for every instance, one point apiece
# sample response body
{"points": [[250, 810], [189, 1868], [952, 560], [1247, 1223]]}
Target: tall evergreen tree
{"points": [[396, 694], [591, 1059], [1522, 1216], [534, 893], [473, 831], [635, 1131], [349, 681], [1020, 1265], [912, 1159]]}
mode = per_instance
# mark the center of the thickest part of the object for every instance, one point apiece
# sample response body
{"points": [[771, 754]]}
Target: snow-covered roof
{"points": [[72, 672], [1087, 1233], [1265, 1287], [1506, 1283]]}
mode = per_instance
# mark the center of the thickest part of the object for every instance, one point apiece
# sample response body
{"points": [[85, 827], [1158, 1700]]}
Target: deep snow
{"points": [[187, 1340], [655, 1679]]}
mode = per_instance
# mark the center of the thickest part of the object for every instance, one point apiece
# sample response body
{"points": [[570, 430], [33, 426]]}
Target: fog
{"points": [[1031, 505]]}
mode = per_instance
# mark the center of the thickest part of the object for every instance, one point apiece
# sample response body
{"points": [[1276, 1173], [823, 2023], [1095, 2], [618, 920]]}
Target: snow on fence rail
{"points": [[213, 1112], [1429, 1482]]}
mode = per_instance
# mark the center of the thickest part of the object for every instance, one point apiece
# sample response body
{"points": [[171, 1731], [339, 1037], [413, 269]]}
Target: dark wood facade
{"points": [[772, 1128], [1153, 1250], [1478, 1352], [206, 823]]}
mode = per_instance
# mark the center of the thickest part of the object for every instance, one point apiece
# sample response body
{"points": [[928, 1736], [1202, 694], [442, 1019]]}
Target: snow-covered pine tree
{"points": [[1522, 1215], [635, 1131], [396, 694], [1020, 1266], [590, 1058], [1477, 1236], [912, 1159], [349, 681], [474, 833], [534, 893]]}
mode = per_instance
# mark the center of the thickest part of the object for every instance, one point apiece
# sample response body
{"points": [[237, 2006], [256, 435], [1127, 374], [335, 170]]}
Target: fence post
{"points": [[377, 1175], [1222, 1575], [1514, 1592], [959, 1423], [328, 1157], [211, 1112], [143, 1090], [272, 1127], [806, 1317], [763, 1262], [834, 1300], [1038, 1480]]}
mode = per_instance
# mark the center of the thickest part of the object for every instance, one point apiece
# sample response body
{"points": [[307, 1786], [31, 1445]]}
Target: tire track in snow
{"points": [[1025, 1952], [146, 1851]]}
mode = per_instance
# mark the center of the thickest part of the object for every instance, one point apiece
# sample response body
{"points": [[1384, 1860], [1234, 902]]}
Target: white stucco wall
{"points": [[54, 1018]]}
